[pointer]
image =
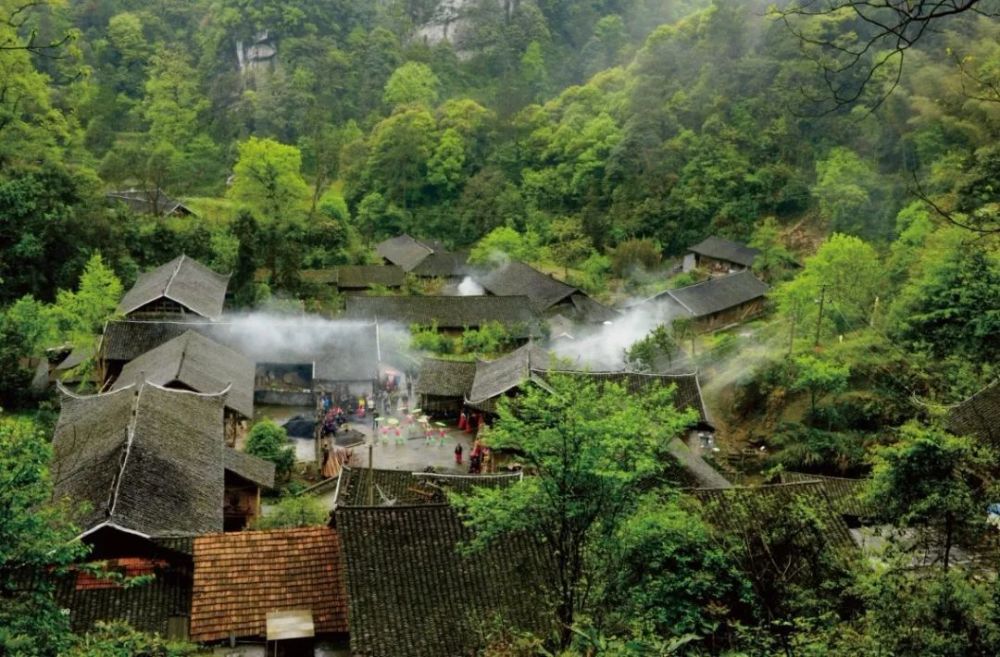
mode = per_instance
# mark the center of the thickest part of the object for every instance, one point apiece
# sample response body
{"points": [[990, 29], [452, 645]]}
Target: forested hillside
{"points": [[598, 141]]}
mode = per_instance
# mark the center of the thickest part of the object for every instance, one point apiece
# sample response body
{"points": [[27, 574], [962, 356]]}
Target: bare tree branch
{"points": [[886, 29]]}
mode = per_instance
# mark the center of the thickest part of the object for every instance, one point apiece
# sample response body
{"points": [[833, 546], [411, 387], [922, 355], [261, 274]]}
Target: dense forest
{"points": [[597, 140]]}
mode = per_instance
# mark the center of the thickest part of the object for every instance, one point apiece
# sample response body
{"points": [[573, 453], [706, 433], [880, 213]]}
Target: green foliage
{"points": [[270, 442], [118, 639], [268, 179], [819, 378], [592, 460], [429, 339], [503, 244], [411, 83], [634, 254], [774, 260], [490, 339], [930, 481], [844, 184], [643, 355], [37, 539], [294, 511]]}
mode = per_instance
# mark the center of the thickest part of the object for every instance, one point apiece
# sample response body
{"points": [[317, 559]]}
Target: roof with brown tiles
{"points": [[240, 577]]}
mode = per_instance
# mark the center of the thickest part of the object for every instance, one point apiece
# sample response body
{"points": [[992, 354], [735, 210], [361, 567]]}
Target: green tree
{"points": [[774, 259], [400, 147], [270, 442], [819, 378], [118, 639], [294, 511], [268, 179], [592, 460], [660, 343], [505, 243], [445, 168], [411, 83], [79, 316], [933, 483], [843, 189], [37, 541]]}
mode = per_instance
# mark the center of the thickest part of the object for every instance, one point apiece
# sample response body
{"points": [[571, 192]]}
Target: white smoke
{"points": [[603, 347], [469, 288]]}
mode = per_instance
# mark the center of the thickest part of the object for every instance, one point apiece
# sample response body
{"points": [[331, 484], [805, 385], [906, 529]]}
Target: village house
{"points": [[180, 289], [270, 592], [452, 315], [413, 593], [716, 302], [193, 362], [548, 296], [720, 256], [978, 416], [423, 258], [442, 386], [150, 201], [149, 468], [358, 279]]}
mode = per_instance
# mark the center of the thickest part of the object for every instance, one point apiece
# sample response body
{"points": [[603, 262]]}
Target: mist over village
{"points": [[499, 328]]}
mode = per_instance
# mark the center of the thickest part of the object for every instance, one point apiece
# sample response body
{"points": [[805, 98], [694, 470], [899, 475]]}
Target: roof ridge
{"points": [[166, 288], [128, 450]]}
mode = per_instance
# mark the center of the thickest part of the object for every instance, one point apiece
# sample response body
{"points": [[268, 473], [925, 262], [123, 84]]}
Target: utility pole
{"points": [[819, 318], [371, 475], [874, 312]]}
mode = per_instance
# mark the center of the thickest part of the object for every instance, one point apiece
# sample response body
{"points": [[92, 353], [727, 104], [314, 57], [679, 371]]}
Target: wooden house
{"points": [[194, 362], [270, 592], [423, 258], [149, 466], [716, 302], [978, 416], [358, 279], [151, 201], [414, 593], [547, 295], [451, 314], [178, 290], [443, 385], [718, 255]]}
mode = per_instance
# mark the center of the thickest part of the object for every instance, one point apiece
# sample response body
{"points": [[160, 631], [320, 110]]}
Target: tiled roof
{"points": [[359, 277], [495, 377], [443, 264], [250, 467], [240, 577], [445, 378], [146, 607], [590, 311], [517, 278], [742, 510], [448, 312], [413, 594], [186, 281], [687, 393], [723, 249], [715, 294], [403, 488], [146, 459], [844, 493], [198, 363], [128, 339], [150, 201], [978, 416], [403, 251]]}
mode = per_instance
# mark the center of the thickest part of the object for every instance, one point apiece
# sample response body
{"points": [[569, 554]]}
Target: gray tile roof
{"points": [[250, 467], [413, 593], [495, 377], [183, 280], [978, 416], [445, 378], [715, 294], [359, 277], [403, 251], [146, 459], [128, 339], [448, 312], [403, 488], [517, 278], [443, 264], [723, 249], [151, 201], [198, 363]]}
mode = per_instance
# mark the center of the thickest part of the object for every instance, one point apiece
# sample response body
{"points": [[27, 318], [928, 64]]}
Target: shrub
{"points": [[270, 442], [294, 511]]}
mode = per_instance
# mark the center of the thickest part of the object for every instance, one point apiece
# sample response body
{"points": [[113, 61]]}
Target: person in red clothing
{"points": [[458, 454]]}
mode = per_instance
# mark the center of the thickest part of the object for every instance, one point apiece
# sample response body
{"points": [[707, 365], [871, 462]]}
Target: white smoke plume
{"points": [[603, 347], [469, 288]]}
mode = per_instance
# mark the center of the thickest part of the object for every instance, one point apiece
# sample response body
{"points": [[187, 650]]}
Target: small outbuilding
{"points": [[720, 255], [716, 302], [548, 296]]}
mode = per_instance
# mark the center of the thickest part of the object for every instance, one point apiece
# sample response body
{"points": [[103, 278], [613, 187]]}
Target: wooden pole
{"points": [[371, 475], [819, 317]]}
